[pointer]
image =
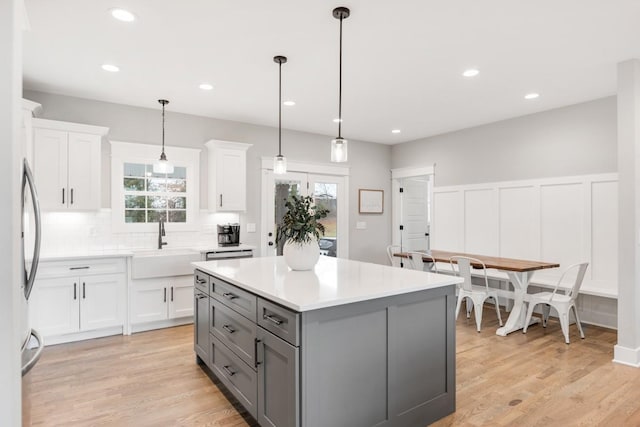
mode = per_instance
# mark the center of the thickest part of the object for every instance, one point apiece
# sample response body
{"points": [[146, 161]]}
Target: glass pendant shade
{"points": [[162, 165], [280, 165], [339, 150]]}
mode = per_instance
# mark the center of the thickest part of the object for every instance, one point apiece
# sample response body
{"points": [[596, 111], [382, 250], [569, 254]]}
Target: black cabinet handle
{"points": [[72, 196], [220, 200], [270, 243], [273, 319], [228, 329], [200, 281], [75, 291], [229, 295], [172, 293], [84, 290], [228, 370], [255, 346], [165, 294], [200, 296], [86, 267], [63, 196]]}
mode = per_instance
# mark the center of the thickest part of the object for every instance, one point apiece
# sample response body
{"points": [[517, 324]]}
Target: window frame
{"points": [[128, 152]]}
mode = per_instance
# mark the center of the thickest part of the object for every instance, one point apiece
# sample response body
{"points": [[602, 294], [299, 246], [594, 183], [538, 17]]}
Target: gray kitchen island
{"points": [[346, 344]]}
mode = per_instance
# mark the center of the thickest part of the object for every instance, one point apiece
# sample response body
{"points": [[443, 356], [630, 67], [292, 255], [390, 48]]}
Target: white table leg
{"points": [[515, 322]]}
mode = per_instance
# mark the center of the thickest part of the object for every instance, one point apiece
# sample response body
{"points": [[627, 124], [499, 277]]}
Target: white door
{"points": [[84, 171], [181, 297], [415, 213], [278, 189], [149, 301], [54, 307], [101, 301], [50, 168]]}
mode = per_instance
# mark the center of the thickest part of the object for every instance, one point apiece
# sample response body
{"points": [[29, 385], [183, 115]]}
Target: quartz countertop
{"points": [[332, 282]]}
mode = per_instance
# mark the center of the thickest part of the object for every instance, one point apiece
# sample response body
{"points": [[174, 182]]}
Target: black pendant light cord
{"points": [[340, 85], [280, 109], [163, 128]]}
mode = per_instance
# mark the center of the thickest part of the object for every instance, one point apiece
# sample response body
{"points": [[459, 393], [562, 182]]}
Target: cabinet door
{"points": [[54, 306], [150, 300], [231, 180], [50, 168], [101, 301], [180, 297], [201, 327], [278, 381], [84, 171]]}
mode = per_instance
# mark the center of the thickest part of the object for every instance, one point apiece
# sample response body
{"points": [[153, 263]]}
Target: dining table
{"points": [[519, 271]]}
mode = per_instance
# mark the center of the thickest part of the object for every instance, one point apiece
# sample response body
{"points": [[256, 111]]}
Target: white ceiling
{"points": [[403, 59]]}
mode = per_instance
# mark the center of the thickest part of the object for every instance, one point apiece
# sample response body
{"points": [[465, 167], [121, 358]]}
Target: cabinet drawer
{"points": [[240, 379], [280, 321], [235, 331], [81, 267], [239, 300], [201, 282]]}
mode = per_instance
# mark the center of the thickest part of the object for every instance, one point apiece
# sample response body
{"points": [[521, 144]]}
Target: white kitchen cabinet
{"points": [[227, 176], [161, 299], [74, 297], [67, 164]]}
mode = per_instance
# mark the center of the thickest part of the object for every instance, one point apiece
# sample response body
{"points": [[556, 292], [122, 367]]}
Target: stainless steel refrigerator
{"points": [[32, 343]]}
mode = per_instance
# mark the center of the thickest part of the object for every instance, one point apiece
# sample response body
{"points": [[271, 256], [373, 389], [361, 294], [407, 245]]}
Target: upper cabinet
{"points": [[227, 176], [67, 165]]}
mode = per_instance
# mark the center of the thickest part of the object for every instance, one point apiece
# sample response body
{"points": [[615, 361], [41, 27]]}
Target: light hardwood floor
{"points": [[151, 379]]}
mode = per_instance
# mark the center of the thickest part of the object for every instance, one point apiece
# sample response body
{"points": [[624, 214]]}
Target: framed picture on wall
{"points": [[370, 201]]}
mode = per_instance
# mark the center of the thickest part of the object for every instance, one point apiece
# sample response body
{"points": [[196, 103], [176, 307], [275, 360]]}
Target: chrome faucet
{"points": [[161, 233]]}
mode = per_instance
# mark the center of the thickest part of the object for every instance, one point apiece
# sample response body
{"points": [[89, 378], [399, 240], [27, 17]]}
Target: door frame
{"points": [[309, 168]]}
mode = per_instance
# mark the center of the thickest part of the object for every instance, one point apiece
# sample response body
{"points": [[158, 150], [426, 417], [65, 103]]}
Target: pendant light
{"points": [[162, 165], [339, 145], [279, 161]]}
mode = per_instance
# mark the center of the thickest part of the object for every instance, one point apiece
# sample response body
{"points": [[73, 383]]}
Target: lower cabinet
{"points": [[278, 381], [162, 299], [71, 297]]}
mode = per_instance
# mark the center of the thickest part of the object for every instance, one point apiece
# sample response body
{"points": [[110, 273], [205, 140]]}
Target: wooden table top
{"points": [[506, 264]]}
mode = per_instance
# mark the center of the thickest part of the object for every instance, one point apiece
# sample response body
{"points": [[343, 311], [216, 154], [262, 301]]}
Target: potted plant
{"points": [[300, 230]]}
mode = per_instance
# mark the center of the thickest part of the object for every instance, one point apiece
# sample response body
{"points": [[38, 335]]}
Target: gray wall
{"points": [[575, 140], [369, 162]]}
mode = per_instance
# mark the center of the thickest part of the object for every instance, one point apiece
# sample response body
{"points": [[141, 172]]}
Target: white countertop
{"points": [[333, 281]]}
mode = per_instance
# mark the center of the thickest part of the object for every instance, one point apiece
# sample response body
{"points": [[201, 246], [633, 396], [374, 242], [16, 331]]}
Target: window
{"points": [[149, 196], [140, 197]]}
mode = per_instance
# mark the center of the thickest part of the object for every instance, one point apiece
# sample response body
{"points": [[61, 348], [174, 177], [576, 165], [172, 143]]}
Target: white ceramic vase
{"points": [[301, 256]]}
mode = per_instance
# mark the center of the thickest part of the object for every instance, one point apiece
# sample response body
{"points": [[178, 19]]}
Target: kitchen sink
{"points": [[162, 263]]}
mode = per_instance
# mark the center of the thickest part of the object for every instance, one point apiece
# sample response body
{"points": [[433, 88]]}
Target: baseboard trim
{"points": [[160, 324], [626, 356], [81, 336]]}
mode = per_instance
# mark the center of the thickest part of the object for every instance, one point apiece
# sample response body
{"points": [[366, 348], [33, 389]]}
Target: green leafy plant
{"points": [[300, 222]]}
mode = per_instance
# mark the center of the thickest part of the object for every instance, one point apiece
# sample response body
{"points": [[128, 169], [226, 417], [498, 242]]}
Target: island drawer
{"points": [[201, 281], [280, 321], [232, 296], [235, 331], [237, 376]]}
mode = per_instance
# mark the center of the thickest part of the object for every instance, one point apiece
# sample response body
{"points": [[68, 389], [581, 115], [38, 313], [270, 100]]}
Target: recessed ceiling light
{"points": [[337, 120], [531, 95], [206, 86], [110, 67], [471, 72], [396, 131], [289, 103], [123, 15]]}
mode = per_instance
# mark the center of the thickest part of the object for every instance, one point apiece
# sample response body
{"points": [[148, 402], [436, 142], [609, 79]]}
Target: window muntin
{"points": [[149, 196]]}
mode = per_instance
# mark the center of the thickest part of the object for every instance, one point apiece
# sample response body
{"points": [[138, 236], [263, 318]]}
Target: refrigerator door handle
{"points": [[34, 359], [27, 178]]}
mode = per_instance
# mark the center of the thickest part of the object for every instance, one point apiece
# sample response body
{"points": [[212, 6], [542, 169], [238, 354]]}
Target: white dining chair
{"points": [[562, 303], [394, 261], [416, 261], [477, 294]]}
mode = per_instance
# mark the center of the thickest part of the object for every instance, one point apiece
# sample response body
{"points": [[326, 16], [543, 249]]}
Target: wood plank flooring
{"points": [[151, 379]]}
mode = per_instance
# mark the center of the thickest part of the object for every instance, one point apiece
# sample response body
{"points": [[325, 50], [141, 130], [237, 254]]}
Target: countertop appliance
{"points": [[32, 343], [228, 254], [229, 235]]}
